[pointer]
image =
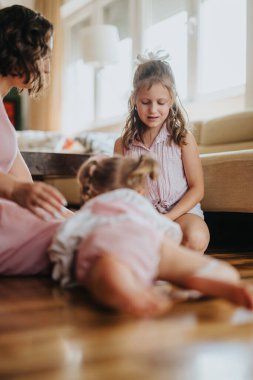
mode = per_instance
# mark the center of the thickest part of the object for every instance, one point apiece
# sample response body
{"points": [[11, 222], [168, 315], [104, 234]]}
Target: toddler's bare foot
{"points": [[242, 296], [236, 293]]}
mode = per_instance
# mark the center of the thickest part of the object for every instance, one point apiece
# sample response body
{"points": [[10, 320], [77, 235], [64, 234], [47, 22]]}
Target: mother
{"points": [[29, 212]]}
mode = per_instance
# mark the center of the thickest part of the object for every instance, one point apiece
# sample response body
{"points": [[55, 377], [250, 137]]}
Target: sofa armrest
{"points": [[228, 180]]}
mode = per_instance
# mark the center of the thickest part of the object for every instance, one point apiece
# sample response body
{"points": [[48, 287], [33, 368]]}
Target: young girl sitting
{"points": [[118, 244], [156, 126]]}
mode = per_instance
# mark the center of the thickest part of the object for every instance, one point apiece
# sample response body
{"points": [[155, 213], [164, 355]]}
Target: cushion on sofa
{"points": [[226, 133]]}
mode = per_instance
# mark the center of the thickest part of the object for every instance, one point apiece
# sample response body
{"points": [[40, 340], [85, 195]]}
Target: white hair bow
{"points": [[159, 55]]}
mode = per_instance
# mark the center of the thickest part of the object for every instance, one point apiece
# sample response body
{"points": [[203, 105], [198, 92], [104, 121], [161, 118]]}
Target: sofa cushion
{"points": [[219, 148], [229, 129]]}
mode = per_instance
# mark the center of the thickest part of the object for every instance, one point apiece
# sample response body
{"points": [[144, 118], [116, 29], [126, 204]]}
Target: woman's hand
{"points": [[43, 200]]}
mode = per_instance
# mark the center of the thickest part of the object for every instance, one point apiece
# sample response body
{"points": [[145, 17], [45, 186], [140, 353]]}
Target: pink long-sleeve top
{"points": [[8, 141]]}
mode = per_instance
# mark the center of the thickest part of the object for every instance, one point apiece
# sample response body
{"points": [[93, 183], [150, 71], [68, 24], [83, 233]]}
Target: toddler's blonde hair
{"points": [[101, 174]]}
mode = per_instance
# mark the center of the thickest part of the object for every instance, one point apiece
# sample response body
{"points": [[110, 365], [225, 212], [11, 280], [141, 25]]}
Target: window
{"points": [[222, 50], [114, 81], [206, 40], [93, 95], [162, 36], [78, 106]]}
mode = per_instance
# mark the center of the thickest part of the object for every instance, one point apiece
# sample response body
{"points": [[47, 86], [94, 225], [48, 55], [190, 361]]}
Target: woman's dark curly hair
{"points": [[24, 40]]}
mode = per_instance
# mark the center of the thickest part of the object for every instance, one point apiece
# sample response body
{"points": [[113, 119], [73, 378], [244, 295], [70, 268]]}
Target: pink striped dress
{"points": [[24, 237], [171, 184]]}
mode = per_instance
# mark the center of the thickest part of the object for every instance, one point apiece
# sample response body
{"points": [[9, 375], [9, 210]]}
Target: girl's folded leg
{"points": [[212, 277], [113, 284]]}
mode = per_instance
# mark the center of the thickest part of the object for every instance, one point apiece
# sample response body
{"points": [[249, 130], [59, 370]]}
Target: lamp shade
{"points": [[100, 44]]}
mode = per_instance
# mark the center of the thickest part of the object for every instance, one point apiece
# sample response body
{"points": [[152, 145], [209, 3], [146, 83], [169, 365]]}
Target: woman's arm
{"points": [[118, 147], [40, 198], [194, 176], [20, 170]]}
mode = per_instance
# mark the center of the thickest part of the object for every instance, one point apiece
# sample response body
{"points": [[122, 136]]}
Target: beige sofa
{"points": [[228, 200], [226, 151]]}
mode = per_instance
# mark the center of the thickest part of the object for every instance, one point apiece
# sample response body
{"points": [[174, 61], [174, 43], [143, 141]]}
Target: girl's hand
{"points": [[43, 200], [170, 215]]}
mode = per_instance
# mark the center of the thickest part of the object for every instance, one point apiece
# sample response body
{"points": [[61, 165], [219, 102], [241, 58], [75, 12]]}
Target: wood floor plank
{"points": [[54, 334]]}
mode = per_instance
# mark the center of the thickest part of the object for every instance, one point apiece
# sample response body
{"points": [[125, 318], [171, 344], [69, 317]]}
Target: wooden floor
{"points": [[48, 333]]}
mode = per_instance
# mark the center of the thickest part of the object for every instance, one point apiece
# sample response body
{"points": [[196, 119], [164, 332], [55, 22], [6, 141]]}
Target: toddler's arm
{"points": [[68, 236]]}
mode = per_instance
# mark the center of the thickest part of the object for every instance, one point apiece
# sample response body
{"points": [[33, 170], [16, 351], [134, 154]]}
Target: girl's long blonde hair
{"points": [[146, 75], [101, 174]]}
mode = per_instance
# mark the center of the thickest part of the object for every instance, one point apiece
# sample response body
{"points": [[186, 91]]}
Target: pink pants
{"points": [[24, 239]]}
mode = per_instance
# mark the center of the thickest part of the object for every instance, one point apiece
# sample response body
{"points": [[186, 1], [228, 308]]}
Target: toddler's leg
{"points": [[211, 284], [209, 276], [112, 284]]}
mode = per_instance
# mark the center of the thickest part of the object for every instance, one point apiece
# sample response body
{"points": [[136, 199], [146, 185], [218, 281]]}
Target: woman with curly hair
{"points": [[25, 49]]}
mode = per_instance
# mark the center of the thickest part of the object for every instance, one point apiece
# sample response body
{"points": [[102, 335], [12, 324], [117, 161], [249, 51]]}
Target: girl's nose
{"points": [[152, 107]]}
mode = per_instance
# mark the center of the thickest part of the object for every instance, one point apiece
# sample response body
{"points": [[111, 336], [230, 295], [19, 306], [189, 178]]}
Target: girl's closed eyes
{"points": [[159, 102]]}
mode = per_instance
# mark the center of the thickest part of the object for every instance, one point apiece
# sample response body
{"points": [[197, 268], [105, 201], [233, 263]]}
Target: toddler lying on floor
{"points": [[117, 245]]}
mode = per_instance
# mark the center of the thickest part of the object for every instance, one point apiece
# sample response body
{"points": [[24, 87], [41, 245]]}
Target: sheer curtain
{"points": [[45, 112]]}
